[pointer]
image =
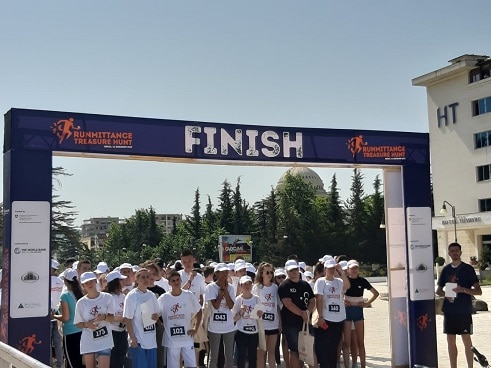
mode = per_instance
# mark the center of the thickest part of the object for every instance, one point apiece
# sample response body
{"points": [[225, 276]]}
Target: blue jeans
{"points": [[143, 358], [57, 342]]}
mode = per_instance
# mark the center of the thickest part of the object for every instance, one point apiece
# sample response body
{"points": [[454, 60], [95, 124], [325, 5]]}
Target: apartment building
{"points": [[459, 118]]}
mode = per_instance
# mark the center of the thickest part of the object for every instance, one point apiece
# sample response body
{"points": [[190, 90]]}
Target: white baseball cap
{"points": [[308, 274], [330, 263], [353, 263], [55, 264], [126, 265], [69, 274], [344, 265], [302, 265], [245, 279], [221, 267], [291, 265], [113, 275], [279, 272], [102, 267], [87, 276]]}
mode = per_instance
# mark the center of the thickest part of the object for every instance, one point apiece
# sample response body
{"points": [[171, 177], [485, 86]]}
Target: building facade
{"points": [[459, 117]]}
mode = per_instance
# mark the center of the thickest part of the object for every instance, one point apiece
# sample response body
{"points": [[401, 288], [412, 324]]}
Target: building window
{"points": [[481, 72], [483, 172], [481, 106], [485, 205], [482, 139]]}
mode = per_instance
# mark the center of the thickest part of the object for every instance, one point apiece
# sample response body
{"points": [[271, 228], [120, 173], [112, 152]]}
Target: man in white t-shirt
{"points": [[192, 281], [177, 307]]}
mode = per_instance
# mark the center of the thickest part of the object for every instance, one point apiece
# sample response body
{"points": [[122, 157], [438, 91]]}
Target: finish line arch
{"points": [[32, 137]]}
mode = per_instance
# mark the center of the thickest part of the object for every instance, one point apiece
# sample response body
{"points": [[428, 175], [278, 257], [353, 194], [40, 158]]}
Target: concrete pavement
{"points": [[377, 337]]}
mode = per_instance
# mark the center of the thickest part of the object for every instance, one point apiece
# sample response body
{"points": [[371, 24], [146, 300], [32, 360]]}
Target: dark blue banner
{"points": [[116, 135]]}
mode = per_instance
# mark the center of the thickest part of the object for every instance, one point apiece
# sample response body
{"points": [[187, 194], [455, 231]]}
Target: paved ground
{"points": [[377, 333]]}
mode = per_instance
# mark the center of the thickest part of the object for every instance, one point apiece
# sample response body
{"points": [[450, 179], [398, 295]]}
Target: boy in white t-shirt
{"points": [[177, 307]]}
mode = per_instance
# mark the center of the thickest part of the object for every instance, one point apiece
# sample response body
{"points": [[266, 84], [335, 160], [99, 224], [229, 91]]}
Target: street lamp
{"points": [[443, 211]]}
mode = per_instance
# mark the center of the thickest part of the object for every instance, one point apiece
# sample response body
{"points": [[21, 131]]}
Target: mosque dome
{"points": [[309, 176]]}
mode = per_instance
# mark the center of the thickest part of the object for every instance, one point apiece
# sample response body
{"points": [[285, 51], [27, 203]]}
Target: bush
{"points": [[440, 261]]}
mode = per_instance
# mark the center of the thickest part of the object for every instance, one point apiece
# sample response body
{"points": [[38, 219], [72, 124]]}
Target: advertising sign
{"points": [[30, 259], [232, 246]]}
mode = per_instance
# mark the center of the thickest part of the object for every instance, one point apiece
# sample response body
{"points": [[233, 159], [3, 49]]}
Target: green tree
{"points": [[296, 220], [374, 207], [356, 217], [225, 208], [192, 224], [65, 239]]}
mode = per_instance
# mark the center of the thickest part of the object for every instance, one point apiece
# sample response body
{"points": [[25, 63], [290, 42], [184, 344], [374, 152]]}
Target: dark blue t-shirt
{"points": [[464, 275]]}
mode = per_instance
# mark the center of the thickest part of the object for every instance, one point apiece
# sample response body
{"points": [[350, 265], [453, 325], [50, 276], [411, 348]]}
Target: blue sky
{"points": [[322, 64]]}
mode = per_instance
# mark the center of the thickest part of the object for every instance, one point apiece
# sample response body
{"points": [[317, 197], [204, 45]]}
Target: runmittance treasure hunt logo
{"points": [[358, 146], [66, 129]]}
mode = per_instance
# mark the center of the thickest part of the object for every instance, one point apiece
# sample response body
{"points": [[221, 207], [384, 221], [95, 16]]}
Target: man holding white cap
{"points": [[298, 299]]}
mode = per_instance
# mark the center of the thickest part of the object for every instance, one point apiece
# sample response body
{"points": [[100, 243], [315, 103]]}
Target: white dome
{"points": [[309, 176]]}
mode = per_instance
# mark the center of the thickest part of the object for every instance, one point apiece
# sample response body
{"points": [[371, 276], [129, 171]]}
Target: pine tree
{"points": [[356, 217], [65, 239], [225, 208]]}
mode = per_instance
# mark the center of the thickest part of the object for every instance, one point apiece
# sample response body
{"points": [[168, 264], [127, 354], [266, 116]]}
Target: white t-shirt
{"points": [[246, 324], [197, 285], [176, 313], [146, 336], [333, 298], [268, 297], [56, 290], [163, 283], [118, 311], [221, 319], [86, 310]]}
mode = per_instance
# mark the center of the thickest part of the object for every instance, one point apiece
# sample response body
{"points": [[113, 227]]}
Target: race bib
{"points": [[250, 328], [100, 332], [268, 316], [220, 317], [149, 328], [177, 331], [334, 308]]}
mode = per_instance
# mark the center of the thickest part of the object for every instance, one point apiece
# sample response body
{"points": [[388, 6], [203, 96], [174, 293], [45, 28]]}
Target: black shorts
{"points": [[457, 324], [272, 332]]}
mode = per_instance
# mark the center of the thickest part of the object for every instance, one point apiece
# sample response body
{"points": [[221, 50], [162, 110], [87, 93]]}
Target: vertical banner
{"points": [[395, 228], [420, 253], [30, 255], [232, 246]]}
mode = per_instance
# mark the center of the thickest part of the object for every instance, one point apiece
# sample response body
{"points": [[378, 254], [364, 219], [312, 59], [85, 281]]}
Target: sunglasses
{"points": [[268, 272], [281, 277]]}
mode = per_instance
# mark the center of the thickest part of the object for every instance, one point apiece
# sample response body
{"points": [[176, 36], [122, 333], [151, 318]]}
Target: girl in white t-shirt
{"points": [[93, 314], [247, 336], [141, 313], [221, 298], [177, 307], [114, 287], [267, 291]]}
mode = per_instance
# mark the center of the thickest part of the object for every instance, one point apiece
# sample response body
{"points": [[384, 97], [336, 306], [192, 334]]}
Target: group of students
{"points": [[153, 316]]}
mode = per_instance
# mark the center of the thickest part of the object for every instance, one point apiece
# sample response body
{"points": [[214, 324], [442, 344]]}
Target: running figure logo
{"points": [[26, 345], [355, 144], [64, 129], [175, 308], [94, 311], [423, 321]]}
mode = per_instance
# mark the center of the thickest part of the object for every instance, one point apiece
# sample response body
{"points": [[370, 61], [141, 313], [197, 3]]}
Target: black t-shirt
{"points": [[357, 287], [464, 275], [300, 293]]}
